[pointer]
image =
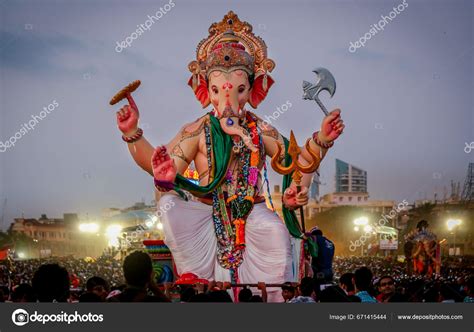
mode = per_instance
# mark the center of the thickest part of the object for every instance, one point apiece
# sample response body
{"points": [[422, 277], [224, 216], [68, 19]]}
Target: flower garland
{"points": [[230, 213]]}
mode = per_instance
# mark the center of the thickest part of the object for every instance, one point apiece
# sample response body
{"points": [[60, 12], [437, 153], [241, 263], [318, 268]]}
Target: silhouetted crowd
{"points": [[387, 280], [356, 279]]}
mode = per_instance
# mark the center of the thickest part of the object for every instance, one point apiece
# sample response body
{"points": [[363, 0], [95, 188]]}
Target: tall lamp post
{"points": [[453, 224]]}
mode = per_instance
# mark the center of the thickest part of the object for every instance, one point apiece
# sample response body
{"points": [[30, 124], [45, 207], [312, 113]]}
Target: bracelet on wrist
{"points": [[135, 137], [321, 144]]}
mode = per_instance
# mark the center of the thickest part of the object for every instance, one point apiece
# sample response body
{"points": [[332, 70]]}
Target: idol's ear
{"points": [[200, 90], [260, 87]]}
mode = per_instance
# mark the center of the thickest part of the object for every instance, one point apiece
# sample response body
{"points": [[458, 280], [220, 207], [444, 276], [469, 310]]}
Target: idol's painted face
{"points": [[229, 89]]}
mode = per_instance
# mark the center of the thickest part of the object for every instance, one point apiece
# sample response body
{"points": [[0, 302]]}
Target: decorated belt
{"points": [[208, 201]]}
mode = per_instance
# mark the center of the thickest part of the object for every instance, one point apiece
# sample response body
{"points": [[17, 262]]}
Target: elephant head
{"points": [[228, 92], [229, 84]]}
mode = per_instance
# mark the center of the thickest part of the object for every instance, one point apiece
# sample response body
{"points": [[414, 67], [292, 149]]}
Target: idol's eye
{"points": [[241, 88], [214, 89]]}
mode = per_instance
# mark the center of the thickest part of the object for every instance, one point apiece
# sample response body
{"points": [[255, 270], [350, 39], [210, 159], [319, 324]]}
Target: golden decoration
{"points": [[242, 32]]}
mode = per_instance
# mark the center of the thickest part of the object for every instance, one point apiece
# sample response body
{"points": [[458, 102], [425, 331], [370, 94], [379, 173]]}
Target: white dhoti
{"points": [[189, 234]]}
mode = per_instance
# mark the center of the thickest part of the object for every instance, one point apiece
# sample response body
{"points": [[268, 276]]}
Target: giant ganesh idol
{"points": [[227, 233]]}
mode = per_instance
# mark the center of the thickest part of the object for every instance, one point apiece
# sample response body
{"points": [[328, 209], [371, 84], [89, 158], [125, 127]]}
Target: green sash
{"points": [[222, 147]]}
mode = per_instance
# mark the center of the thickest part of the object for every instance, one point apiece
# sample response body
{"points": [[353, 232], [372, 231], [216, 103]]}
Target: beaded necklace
{"points": [[231, 209]]}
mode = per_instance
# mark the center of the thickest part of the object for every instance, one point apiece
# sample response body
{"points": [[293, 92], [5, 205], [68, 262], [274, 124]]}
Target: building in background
{"points": [[351, 190], [350, 179], [56, 237], [86, 237]]}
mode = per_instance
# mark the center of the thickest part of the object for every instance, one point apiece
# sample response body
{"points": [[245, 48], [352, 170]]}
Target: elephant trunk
{"points": [[230, 125]]}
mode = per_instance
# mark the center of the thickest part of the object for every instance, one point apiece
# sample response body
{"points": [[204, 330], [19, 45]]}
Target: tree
{"points": [[15, 240]]}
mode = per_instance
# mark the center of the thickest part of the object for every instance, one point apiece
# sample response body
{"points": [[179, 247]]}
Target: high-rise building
{"points": [[350, 179]]}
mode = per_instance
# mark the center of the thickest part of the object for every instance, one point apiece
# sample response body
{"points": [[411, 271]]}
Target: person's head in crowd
{"points": [[386, 286], [137, 269], [346, 282], [99, 286], [287, 291], [186, 293], [336, 294], [4, 293], [317, 232], [219, 296], [422, 224], [23, 293], [362, 279], [245, 295], [51, 283], [306, 287]]}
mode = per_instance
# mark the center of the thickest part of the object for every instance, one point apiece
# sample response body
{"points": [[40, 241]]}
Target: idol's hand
{"points": [[293, 200], [164, 168], [331, 127], [127, 120]]}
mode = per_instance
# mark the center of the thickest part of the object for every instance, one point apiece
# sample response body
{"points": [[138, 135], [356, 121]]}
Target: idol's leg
{"points": [[267, 255], [189, 234]]}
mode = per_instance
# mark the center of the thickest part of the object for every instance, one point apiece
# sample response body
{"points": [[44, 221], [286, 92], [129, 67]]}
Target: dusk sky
{"points": [[406, 96]]}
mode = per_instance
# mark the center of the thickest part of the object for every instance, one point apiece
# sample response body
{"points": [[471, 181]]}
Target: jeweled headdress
{"points": [[227, 56], [231, 45]]}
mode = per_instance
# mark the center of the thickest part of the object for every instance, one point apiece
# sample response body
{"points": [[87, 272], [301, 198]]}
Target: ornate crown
{"points": [[231, 45], [228, 56]]}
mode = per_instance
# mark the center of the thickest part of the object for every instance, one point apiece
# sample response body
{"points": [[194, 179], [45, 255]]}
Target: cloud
{"points": [[30, 51]]}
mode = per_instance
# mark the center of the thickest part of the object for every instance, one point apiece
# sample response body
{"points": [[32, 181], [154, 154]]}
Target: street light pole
{"points": [[452, 226], [454, 241], [362, 222]]}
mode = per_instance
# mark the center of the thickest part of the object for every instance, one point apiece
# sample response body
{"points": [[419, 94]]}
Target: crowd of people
{"points": [[17, 272], [390, 282], [355, 279]]}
